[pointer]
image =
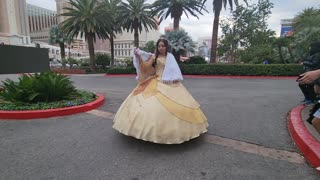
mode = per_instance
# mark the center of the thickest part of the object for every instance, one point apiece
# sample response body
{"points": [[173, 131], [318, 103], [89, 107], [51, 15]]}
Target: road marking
{"points": [[104, 114], [277, 154]]}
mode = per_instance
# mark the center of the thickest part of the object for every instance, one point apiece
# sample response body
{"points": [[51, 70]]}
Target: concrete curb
{"points": [[308, 145], [36, 114], [214, 76]]}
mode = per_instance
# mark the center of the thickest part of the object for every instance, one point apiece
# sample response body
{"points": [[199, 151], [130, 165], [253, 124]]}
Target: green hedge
{"points": [[129, 70], [231, 69], [243, 69]]}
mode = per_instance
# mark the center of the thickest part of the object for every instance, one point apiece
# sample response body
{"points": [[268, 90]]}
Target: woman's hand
{"points": [[309, 77], [136, 52]]}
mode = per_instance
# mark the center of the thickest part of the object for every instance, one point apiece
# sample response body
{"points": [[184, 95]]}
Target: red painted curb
{"points": [[215, 76], [239, 77], [29, 114], [308, 145]]}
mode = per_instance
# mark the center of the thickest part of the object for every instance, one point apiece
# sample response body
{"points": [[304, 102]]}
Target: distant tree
{"points": [[86, 18], [56, 36], [248, 29], [150, 46], [306, 30], [176, 8], [137, 15], [180, 43], [217, 6]]}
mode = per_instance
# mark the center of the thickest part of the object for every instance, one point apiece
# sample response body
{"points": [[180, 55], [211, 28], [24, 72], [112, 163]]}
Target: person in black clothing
{"points": [[313, 77], [312, 62]]}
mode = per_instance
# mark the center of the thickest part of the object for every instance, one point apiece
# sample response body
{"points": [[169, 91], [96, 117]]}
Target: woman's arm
{"points": [[148, 62], [136, 53], [145, 67], [309, 77]]}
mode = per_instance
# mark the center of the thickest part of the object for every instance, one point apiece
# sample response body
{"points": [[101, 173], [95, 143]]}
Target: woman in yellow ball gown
{"points": [[160, 109]]}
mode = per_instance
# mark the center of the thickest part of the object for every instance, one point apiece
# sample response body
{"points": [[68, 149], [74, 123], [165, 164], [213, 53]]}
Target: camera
{"points": [[299, 78]]}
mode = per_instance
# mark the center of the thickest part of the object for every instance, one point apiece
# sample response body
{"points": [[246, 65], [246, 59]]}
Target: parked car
{"points": [[55, 64]]}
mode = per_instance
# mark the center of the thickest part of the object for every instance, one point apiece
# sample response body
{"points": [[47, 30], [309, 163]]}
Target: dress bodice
{"points": [[161, 62]]}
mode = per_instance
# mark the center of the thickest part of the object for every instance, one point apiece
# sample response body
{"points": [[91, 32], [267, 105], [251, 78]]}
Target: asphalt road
{"points": [[84, 146]]}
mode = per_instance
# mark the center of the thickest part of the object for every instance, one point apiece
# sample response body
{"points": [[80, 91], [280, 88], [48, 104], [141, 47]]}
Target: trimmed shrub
{"points": [[130, 70], [82, 98], [195, 60], [103, 60], [84, 62], [243, 69], [43, 87]]}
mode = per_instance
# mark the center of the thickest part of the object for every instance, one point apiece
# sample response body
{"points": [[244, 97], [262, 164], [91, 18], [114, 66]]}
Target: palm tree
{"points": [[69, 40], [136, 15], [150, 46], [280, 43], [113, 7], [306, 29], [56, 36], [86, 18], [299, 20], [175, 8], [217, 6], [180, 41]]}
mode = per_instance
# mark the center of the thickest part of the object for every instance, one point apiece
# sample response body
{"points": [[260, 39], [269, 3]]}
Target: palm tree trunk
{"points": [[233, 53], [112, 49], [136, 37], [214, 41], [63, 53], [176, 54], [91, 51], [291, 54], [176, 22], [69, 53], [280, 54]]}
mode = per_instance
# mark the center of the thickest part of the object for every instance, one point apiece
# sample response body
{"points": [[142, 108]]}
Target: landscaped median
{"points": [[308, 145], [43, 95], [46, 113]]}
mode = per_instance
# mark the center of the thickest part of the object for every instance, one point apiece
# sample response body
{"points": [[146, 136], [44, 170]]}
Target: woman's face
{"points": [[162, 48]]}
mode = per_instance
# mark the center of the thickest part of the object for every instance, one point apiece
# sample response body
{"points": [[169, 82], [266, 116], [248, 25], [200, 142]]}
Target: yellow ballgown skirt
{"points": [[160, 113]]}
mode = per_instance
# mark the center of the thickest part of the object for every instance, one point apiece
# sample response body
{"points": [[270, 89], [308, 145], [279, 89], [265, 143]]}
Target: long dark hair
{"points": [[166, 44]]}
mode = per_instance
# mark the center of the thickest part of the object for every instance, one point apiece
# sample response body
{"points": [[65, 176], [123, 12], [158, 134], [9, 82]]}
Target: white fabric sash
{"points": [[144, 56], [171, 70]]}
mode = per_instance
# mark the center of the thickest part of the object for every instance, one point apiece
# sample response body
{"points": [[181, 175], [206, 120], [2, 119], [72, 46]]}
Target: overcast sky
{"points": [[202, 27]]}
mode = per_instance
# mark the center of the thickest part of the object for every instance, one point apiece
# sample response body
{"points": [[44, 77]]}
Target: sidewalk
{"points": [[312, 131], [304, 135]]}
